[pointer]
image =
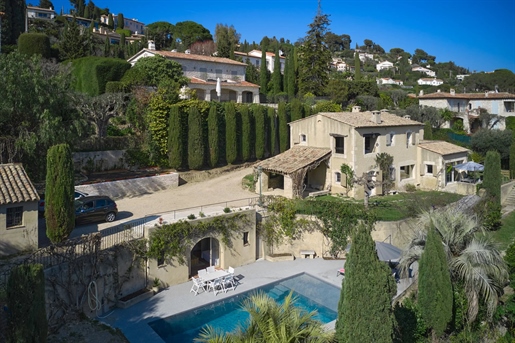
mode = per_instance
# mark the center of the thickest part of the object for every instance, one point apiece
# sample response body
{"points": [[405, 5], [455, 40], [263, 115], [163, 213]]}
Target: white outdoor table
{"points": [[217, 274]]}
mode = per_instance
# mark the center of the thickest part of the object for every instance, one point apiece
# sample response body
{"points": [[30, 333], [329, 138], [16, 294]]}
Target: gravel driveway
{"points": [[225, 187]]}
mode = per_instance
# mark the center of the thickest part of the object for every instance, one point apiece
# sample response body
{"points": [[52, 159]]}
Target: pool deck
{"points": [[133, 321]]}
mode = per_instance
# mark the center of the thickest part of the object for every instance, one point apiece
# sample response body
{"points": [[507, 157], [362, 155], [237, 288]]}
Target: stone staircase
{"points": [[509, 204]]}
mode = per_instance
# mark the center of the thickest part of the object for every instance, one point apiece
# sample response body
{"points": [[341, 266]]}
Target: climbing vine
{"points": [[173, 241], [349, 177]]}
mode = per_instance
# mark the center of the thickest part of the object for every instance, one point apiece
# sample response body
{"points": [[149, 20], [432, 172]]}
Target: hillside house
{"points": [[254, 57], [133, 25], [385, 65], [426, 71], [203, 73], [34, 12], [363, 56], [429, 82], [467, 106], [18, 210], [389, 81], [321, 143]]}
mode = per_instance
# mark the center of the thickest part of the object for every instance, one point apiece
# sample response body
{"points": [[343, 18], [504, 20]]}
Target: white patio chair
{"points": [[229, 283], [216, 286], [231, 270], [197, 286], [202, 273], [211, 269]]}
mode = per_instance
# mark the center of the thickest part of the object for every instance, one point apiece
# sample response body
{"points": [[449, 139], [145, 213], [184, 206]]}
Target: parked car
{"points": [[95, 208], [41, 203]]}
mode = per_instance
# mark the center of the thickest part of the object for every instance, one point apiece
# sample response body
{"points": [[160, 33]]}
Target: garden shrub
{"points": [[115, 87], [34, 44], [92, 73]]}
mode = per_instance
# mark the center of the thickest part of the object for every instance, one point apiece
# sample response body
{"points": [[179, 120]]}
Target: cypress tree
{"points": [[297, 109], [512, 159], [263, 74], [121, 21], [110, 21], [195, 139], [121, 53], [246, 136], [59, 193], [364, 312], [492, 177], [276, 76], [107, 47], [259, 118], [273, 139], [435, 295], [231, 134], [428, 131], [27, 320], [284, 130], [213, 123], [357, 67], [175, 141]]}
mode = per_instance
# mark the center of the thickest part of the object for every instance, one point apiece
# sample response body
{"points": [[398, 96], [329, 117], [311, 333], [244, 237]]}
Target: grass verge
{"points": [[506, 234]]}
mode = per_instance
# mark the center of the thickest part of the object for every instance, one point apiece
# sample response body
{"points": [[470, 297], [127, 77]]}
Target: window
{"points": [[303, 138], [14, 216], [161, 259], [370, 143], [184, 68], [389, 139], [339, 145], [338, 177], [218, 72], [509, 106], [429, 169], [246, 238], [410, 138], [257, 63], [101, 203], [406, 171]]}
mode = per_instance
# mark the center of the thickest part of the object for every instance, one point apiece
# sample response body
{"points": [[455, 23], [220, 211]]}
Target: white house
{"points": [[363, 56], [389, 81], [203, 73], [40, 13], [384, 65], [429, 81], [133, 25], [428, 72], [254, 57]]}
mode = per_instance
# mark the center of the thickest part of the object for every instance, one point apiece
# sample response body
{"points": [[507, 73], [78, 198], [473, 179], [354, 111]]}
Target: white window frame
{"points": [[390, 139], [335, 147], [427, 172]]}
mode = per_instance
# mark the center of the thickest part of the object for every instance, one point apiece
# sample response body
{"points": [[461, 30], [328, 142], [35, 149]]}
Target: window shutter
{"points": [[388, 139]]}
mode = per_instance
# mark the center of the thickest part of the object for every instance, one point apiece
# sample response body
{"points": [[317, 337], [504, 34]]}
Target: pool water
{"points": [[225, 315]]}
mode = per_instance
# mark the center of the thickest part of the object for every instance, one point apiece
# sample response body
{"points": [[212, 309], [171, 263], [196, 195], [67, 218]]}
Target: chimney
{"points": [[407, 117], [356, 108], [453, 92], [151, 45], [421, 93], [376, 117]]}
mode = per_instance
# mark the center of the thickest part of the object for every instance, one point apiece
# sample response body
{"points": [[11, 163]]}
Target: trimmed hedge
{"points": [[115, 87], [92, 73], [34, 44], [260, 127]]}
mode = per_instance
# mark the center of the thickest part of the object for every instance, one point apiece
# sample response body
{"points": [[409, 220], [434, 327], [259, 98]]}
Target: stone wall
{"points": [[99, 160]]}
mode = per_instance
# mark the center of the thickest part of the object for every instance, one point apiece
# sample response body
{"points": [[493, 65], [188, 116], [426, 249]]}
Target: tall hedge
{"points": [[296, 109], [260, 131], [231, 134], [34, 44], [492, 176], [512, 160], [213, 122], [59, 193], [175, 140], [284, 130], [435, 294], [246, 133], [27, 320], [365, 311], [273, 139], [92, 73], [428, 131], [195, 139]]}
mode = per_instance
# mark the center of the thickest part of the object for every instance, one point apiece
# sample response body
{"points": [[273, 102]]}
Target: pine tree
{"points": [[195, 139], [315, 57], [435, 295], [284, 130], [246, 133], [110, 21], [365, 312], [260, 129], [276, 76], [263, 74], [428, 131], [121, 21], [231, 134], [273, 139], [175, 141], [357, 67], [59, 193], [213, 123]]}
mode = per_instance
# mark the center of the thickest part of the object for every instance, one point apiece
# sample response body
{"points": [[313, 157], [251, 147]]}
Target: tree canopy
{"points": [[188, 32]]}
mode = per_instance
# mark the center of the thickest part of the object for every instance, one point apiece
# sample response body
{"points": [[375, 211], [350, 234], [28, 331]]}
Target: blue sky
{"points": [[475, 34]]}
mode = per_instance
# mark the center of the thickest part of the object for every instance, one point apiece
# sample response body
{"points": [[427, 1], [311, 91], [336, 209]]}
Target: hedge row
{"points": [[91, 74]]}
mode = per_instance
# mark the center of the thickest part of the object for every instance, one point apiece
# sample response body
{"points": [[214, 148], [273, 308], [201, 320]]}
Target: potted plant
{"points": [[155, 285]]}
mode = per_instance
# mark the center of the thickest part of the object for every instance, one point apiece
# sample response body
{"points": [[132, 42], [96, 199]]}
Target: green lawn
{"points": [[506, 234]]}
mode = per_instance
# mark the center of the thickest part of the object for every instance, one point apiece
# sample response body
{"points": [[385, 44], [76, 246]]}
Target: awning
{"points": [[294, 159]]}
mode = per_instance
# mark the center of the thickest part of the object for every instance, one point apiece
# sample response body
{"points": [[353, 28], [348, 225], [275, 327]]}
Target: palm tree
{"points": [[474, 261], [271, 322]]}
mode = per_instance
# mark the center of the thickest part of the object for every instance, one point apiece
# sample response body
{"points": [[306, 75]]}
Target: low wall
{"points": [[398, 233], [99, 160], [132, 187]]}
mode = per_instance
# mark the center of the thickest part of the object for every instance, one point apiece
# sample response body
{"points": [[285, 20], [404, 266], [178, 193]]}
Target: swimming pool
{"points": [[312, 294]]}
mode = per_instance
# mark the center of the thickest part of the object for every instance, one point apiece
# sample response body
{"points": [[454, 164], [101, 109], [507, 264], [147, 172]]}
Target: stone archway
{"points": [[204, 254]]}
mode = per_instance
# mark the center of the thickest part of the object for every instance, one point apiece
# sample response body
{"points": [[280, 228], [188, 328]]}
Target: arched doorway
{"points": [[204, 254]]}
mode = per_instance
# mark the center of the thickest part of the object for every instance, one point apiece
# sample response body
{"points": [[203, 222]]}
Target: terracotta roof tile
{"points": [[181, 55], [294, 159], [15, 185], [444, 95], [442, 147], [364, 119]]}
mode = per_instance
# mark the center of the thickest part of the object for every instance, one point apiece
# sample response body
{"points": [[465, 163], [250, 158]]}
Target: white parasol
{"points": [[218, 88]]}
